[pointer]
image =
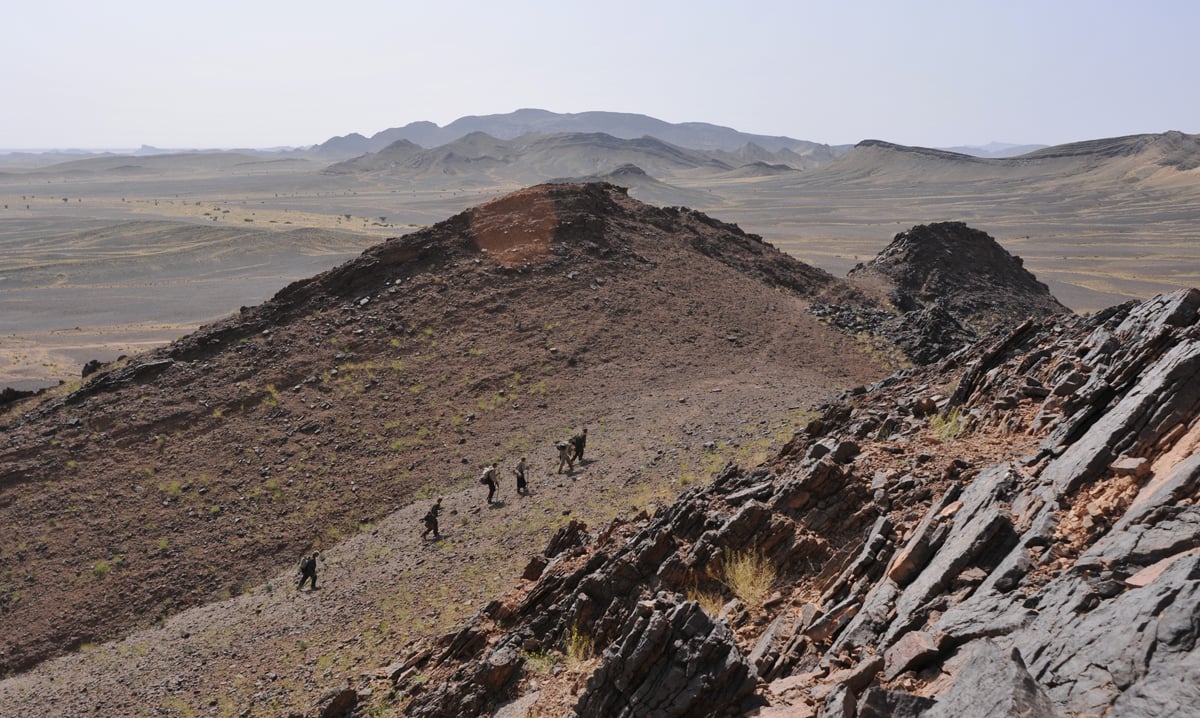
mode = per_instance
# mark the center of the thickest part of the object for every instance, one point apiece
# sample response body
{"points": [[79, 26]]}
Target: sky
{"points": [[267, 73]]}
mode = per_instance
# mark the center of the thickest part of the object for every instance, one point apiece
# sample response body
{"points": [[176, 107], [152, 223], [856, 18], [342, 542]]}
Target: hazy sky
{"points": [[258, 73]]}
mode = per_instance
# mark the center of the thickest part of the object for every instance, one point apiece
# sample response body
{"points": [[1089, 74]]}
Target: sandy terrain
{"points": [[122, 258]]}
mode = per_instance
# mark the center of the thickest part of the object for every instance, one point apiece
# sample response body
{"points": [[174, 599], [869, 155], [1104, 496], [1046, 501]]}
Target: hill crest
{"points": [[955, 267], [191, 474], [345, 395]]}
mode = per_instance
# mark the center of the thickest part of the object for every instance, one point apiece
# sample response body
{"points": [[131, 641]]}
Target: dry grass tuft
{"points": [[749, 575]]}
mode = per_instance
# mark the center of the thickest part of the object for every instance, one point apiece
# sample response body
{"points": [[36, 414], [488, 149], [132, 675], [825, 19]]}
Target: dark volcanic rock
{"points": [[928, 334], [947, 285], [993, 682], [965, 272], [670, 660]]}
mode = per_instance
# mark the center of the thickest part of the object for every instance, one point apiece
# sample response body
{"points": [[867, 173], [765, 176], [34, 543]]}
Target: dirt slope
{"points": [[192, 474]]}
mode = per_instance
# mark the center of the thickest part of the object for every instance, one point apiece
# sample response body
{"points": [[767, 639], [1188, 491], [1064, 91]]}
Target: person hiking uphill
{"points": [[519, 472], [565, 456], [488, 479], [431, 520], [578, 442], [308, 570]]}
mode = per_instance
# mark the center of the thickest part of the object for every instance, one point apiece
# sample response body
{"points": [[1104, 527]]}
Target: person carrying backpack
{"points": [[308, 570], [565, 456], [431, 520], [488, 479]]}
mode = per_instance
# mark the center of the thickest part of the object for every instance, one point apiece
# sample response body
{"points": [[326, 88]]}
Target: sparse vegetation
{"points": [[710, 602], [749, 575], [578, 647], [542, 662], [949, 425]]}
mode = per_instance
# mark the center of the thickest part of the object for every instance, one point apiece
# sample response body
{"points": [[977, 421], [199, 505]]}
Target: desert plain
{"points": [[112, 255]]}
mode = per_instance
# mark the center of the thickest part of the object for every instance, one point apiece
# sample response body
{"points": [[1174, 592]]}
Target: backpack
{"points": [[307, 564]]}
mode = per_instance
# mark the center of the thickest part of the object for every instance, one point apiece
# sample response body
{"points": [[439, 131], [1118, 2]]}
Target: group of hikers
{"points": [[570, 451]]}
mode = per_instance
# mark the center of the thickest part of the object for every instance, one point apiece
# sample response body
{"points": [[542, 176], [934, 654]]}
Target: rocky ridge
{"points": [[189, 474], [959, 539], [940, 287], [962, 270], [290, 414]]}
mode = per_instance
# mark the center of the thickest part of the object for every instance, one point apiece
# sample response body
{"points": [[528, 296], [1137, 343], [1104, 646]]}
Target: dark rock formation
{"points": [[670, 660], [963, 271], [1063, 582], [947, 285], [8, 395]]}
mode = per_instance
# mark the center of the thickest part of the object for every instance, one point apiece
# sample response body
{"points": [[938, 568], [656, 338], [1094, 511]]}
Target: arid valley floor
{"points": [[107, 256]]}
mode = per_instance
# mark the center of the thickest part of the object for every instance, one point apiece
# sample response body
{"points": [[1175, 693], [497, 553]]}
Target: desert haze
{"points": [[109, 255]]}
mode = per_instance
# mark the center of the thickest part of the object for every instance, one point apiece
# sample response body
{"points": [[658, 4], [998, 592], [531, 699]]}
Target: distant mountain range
{"points": [[622, 125], [693, 135]]}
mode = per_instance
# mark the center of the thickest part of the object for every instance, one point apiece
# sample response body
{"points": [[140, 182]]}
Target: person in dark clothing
{"points": [[431, 520], [578, 442], [519, 472], [308, 570], [488, 479]]}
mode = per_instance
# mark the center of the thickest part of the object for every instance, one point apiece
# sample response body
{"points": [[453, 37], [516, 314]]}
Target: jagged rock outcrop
{"points": [[963, 270], [948, 285], [671, 659], [938, 554]]}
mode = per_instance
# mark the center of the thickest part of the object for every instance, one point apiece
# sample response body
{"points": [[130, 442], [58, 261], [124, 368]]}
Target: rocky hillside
{"points": [[962, 270], [162, 500], [943, 285], [191, 474], [1009, 533]]}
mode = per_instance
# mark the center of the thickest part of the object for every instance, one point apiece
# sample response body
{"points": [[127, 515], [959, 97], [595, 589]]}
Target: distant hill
{"points": [[641, 186], [994, 149], [1134, 156], [693, 135], [1170, 149], [161, 164], [532, 158]]}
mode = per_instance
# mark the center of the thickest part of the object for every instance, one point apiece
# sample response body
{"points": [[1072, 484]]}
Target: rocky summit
{"points": [[937, 288], [962, 270]]}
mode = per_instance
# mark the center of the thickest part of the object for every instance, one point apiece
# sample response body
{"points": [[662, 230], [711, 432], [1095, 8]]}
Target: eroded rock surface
{"points": [[1024, 541]]}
